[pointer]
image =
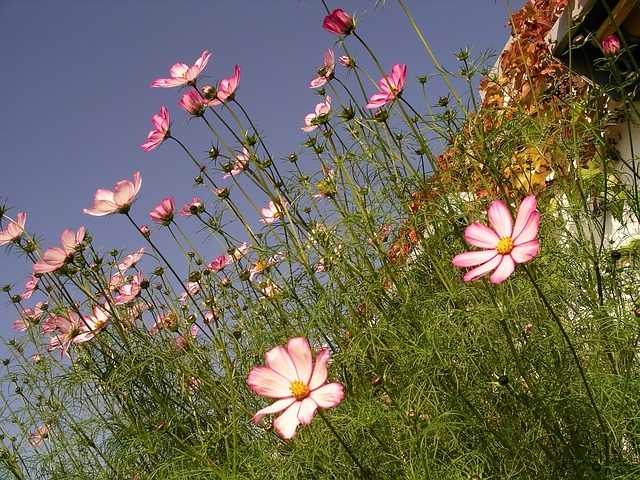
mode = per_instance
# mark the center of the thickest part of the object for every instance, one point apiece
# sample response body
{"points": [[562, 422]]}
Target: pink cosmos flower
{"points": [[325, 72], [14, 229], [220, 262], [30, 286], [99, 320], [163, 213], [227, 88], [118, 201], [611, 45], [40, 435], [239, 251], [505, 245], [196, 206], [292, 376], [339, 22], [55, 257], [273, 212], [391, 86], [72, 328], [191, 288], [182, 75], [29, 317], [261, 265], [162, 124], [193, 103], [347, 61], [312, 120], [130, 260], [129, 291], [240, 165]]}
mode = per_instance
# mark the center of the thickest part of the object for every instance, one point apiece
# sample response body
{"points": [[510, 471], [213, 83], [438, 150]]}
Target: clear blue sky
{"points": [[76, 102]]}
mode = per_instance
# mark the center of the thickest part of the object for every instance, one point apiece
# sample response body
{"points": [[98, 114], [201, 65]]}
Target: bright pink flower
{"points": [[30, 286], [391, 86], [339, 22], [119, 201], [272, 212], [72, 328], [611, 45], [505, 245], [163, 213], [162, 125], [240, 164], [181, 74], [55, 257], [129, 291], [220, 262], [320, 116], [325, 72], [14, 229], [299, 385], [227, 88], [196, 206], [194, 103]]}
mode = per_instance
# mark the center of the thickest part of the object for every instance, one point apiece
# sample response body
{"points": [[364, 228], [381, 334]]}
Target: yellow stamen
{"points": [[299, 390], [505, 245]]}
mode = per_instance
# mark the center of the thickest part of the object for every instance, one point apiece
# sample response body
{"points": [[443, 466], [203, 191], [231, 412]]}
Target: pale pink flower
{"points": [[55, 257], [339, 22], [163, 212], [262, 265], [162, 130], [184, 339], [36, 358], [240, 164], [30, 286], [325, 72], [164, 321], [239, 251], [182, 75], [346, 61], [292, 376], [505, 245], [220, 262], [40, 435], [211, 316], [130, 260], [119, 201], [191, 288], [129, 291], [320, 116], [30, 317], [269, 289], [73, 329], [273, 212], [391, 86], [14, 229], [196, 206], [611, 45], [194, 103], [100, 319], [227, 88]]}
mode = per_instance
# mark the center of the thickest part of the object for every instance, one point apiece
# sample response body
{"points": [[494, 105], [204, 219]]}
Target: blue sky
{"points": [[76, 102]]}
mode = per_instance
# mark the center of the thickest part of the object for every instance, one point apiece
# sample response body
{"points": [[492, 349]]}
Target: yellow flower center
{"points": [[505, 245], [299, 390]]}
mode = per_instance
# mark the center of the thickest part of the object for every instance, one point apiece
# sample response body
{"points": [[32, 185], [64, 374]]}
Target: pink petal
{"points": [[124, 192], [483, 269], [319, 375], [526, 251], [300, 354], [481, 236], [275, 408], [471, 259], [279, 360], [500, 219], [307, 410], [287, 423], [378, 99], [68, 241], [268, 383], [527, 207], [529, 230], [328, 395], [506, 268]]}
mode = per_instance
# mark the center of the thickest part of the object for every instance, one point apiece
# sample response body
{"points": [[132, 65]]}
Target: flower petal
{"points": [[307, 410], [319, 375], [279, 360], [300, 353], [275, 408], [483, 269], [328, 395], [506, 267], [526, 251], [287, 423], [481, 236], [500, 219], [471, 259], [269, 383]]}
